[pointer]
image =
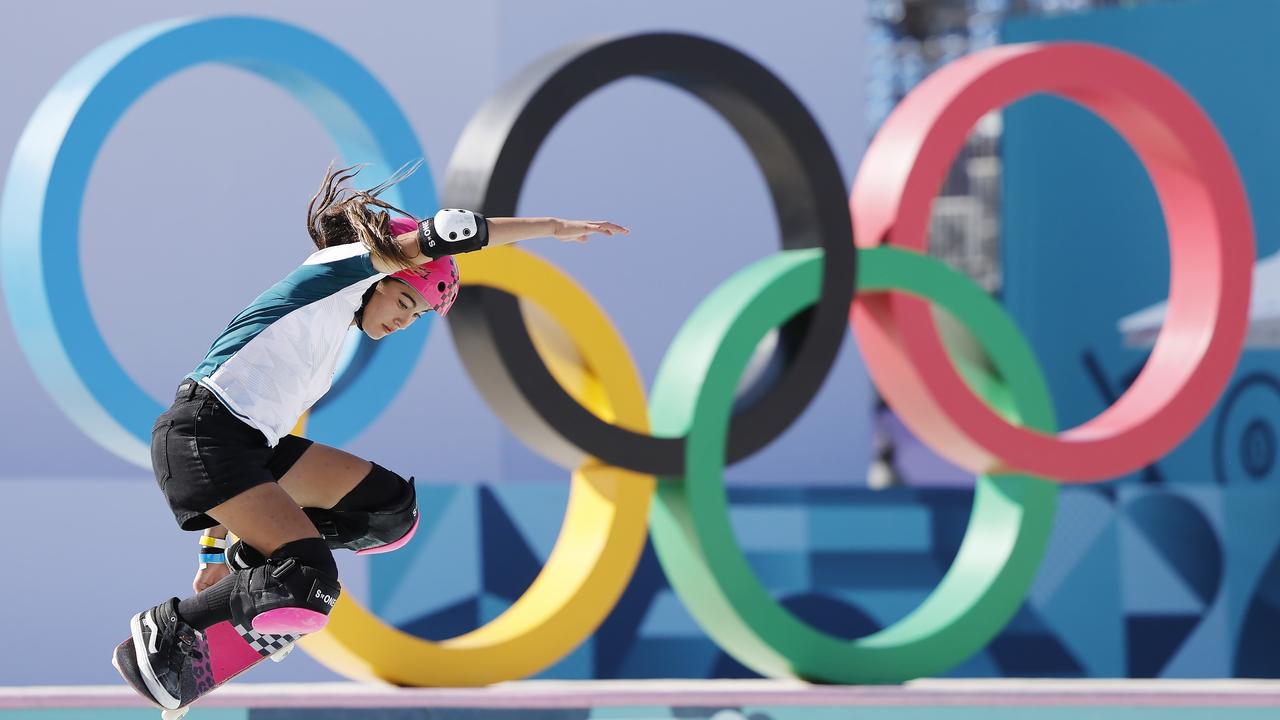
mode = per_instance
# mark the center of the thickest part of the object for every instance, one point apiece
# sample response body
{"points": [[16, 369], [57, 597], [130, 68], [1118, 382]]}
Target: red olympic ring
{"points": [[1211, 246]]}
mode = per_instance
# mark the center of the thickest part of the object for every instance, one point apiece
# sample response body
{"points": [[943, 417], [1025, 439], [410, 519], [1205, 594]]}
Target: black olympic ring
{"points": [[486, 174]]}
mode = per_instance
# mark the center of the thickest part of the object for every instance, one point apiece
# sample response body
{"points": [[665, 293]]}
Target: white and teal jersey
{"points": [[278, 356]]}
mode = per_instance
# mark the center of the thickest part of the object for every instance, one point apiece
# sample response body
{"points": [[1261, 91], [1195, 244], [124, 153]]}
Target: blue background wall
{"points": [[1136, 581], [1077, 200]]}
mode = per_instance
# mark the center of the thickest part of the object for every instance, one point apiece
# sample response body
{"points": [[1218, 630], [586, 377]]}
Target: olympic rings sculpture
{"points": [[584, 407]]}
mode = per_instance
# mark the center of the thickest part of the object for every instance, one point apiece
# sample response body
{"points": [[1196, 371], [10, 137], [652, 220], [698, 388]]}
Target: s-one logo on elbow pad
{"points": [[424, 227], [868, 271]]}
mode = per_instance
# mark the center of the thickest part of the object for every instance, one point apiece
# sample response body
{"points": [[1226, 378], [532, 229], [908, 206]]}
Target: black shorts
{"points": [[203, 455]]}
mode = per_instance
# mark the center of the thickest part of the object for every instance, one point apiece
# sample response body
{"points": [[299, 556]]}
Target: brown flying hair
{"points": [[340, 214]]}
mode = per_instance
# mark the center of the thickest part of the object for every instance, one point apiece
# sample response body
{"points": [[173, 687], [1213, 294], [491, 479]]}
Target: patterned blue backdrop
{"points": [[1135, 581]]}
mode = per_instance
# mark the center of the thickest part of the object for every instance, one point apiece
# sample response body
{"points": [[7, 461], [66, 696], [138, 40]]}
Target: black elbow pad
{"points": [[451, 232]]}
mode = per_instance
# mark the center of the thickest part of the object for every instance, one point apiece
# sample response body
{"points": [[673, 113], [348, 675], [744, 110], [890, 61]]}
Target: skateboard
{"points": [[233, 649]]}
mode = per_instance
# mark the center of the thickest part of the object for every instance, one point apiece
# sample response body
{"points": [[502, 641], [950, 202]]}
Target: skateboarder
{"points": [[223, 453]]}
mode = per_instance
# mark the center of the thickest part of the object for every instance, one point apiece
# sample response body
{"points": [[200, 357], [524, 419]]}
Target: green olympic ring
{"points": [[693, 393]]}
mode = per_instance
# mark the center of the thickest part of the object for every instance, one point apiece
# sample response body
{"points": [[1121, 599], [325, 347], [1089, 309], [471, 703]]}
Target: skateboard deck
{"points": [[232, 650]]}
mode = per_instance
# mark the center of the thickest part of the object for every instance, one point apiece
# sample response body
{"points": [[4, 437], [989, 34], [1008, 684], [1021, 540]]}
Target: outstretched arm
{"points": [[446, 235], [503, 231]]}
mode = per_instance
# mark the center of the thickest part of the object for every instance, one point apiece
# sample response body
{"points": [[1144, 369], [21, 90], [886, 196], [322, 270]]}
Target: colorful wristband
{"points": [[213, 542]]}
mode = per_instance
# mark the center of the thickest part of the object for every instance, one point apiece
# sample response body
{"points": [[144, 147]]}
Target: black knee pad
{"points": [[283, 596], [374, 530]]}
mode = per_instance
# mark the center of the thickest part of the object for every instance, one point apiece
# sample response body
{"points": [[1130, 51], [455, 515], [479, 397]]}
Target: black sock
{"points": [[210, 606], [379, 489], [313, 552]]}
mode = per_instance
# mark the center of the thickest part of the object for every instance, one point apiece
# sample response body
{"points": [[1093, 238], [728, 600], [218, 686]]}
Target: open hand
{"points": [[579, 230]]}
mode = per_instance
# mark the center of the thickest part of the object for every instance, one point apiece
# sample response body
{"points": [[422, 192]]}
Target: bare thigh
{"points": [[265, 517], [323, 476], [268, 515]]}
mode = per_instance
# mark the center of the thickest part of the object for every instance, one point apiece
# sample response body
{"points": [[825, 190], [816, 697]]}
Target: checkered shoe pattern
{"points": [[265, 644]]}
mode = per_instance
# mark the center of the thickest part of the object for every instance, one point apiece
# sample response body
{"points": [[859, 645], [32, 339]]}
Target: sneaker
{"points": [[172, 656]]}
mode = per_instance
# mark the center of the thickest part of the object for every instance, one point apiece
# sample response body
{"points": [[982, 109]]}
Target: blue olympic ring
{"points": [[44, 192]]}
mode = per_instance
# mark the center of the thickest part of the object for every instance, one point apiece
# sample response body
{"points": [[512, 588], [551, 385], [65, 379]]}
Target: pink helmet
{"points": [[436, 281]]}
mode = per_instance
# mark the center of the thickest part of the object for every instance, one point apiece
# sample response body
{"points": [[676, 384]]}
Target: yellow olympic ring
{"points": [[604, 529]]}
